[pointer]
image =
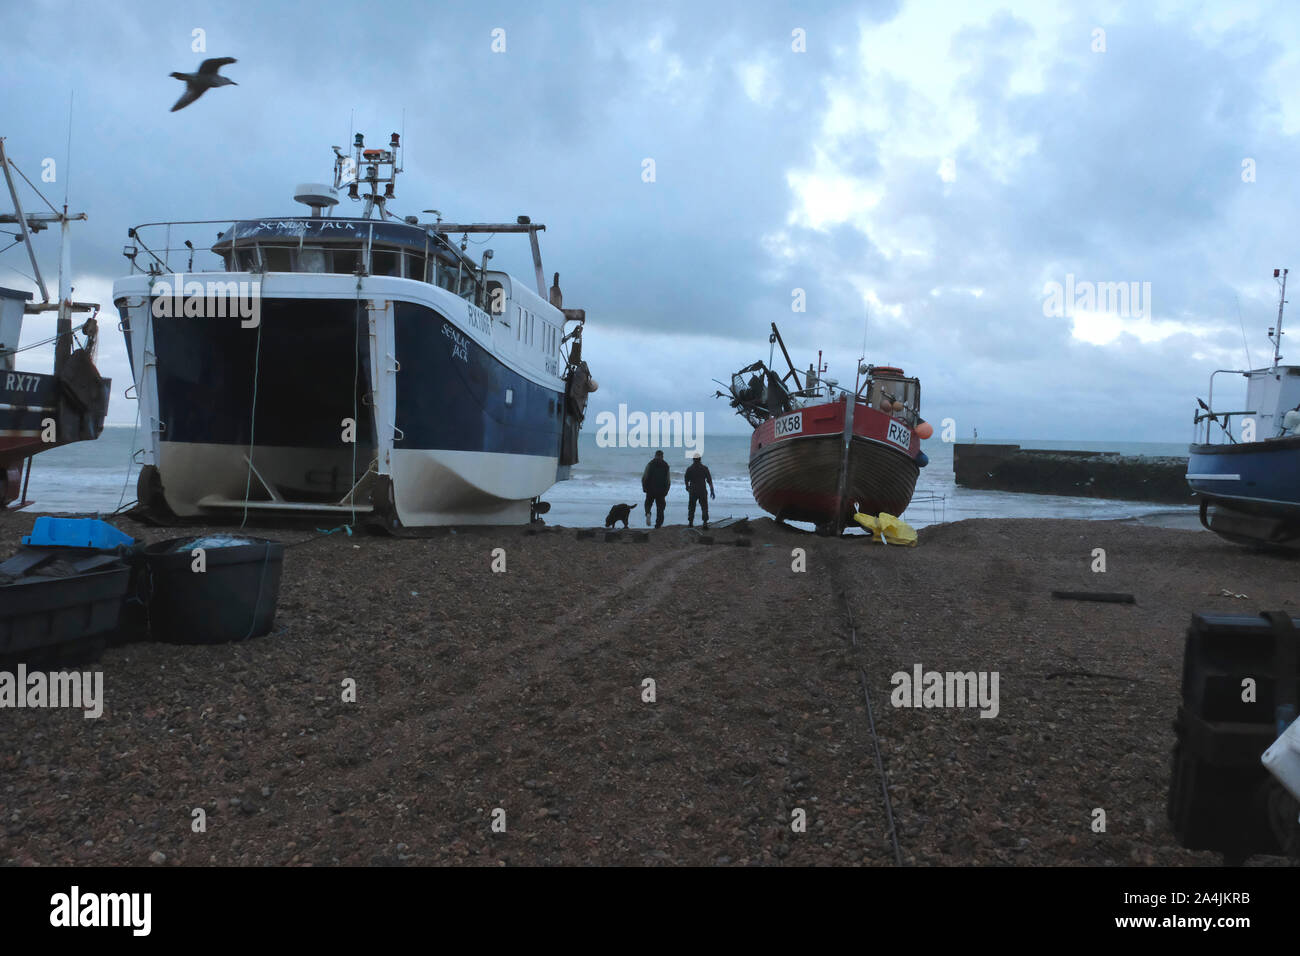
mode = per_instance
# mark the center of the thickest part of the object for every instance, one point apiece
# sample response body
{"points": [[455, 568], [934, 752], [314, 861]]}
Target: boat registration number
{"points": [[789, 425], [900, 435]]}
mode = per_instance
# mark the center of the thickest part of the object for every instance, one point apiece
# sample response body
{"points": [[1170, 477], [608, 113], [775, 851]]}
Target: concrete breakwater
{"points": [[1085, 474]]}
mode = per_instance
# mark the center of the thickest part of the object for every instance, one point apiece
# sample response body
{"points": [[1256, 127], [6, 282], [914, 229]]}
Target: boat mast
{"points": [[63, 325], [365, 168], [34, 222], [20, 219], [1277, 333]]}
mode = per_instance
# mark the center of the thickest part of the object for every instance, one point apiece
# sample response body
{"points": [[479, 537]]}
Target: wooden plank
{"points": [[1108, 597]]}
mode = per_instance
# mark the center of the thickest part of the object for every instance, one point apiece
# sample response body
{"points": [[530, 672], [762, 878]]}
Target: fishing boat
{"points": [[44, 410], [1245, 465], [365, 367], [819, 452]]}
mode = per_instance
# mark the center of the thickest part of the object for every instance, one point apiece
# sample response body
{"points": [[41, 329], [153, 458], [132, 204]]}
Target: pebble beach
{"points": [[504, 717]]}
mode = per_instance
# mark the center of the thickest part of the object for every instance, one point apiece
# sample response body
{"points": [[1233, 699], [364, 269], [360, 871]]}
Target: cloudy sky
{"points": [[934, 166]]}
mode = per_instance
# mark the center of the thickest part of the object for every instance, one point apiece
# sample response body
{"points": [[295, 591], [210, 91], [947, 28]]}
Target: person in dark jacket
{"points": [[655, 482], [697, 476]]}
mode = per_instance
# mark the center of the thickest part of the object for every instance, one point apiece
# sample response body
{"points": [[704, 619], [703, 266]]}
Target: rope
{"points": [[261, 584], [53, 338], [252, 423], [130, 461], [356, 370]]}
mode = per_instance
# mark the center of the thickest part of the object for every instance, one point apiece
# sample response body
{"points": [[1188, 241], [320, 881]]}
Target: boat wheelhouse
{"points": [[351, 365]]}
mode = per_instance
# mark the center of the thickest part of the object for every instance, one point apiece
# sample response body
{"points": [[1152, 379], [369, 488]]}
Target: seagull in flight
{"points": [[196, 84]]}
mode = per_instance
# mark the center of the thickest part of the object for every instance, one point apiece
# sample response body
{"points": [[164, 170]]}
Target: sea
{"points": [[98, 478]]}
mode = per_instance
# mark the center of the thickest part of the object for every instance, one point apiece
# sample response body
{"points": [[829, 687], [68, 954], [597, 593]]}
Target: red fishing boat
{"points": [[820, 452]]}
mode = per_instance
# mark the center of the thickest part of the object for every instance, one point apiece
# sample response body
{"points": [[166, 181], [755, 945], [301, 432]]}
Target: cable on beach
{"points": [[871, 724]]}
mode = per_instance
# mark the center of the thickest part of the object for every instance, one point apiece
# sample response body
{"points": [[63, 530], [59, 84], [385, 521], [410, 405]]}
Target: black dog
{"points": [[618, 513]]}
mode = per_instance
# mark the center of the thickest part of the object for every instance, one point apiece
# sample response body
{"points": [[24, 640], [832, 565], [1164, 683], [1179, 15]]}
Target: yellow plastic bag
{"points": [[888, 529]]}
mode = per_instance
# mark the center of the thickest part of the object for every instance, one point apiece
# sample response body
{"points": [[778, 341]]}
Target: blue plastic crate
{"points": [[76, 533]]}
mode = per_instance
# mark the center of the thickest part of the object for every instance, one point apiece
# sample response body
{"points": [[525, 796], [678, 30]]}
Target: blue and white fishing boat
{"points": [[1245, 467], [360, 366]]}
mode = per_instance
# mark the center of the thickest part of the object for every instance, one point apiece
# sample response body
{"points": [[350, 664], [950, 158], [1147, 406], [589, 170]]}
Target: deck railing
{"points": [[185, 246]]}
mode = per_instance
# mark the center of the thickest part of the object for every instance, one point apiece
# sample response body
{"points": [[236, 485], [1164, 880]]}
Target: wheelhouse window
{"points": [[277, 258], [312, 259], [385, 262], [415, 265], [449, 277], [346, 260]]}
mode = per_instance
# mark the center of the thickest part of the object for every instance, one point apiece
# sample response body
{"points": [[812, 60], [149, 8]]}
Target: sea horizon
{"points": [[98, 477]]}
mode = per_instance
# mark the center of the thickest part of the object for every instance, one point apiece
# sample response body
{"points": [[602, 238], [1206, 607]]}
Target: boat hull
{"points": [[1259, 478], [37, 407], [329, 394], [1249, 491], [795, 461]]}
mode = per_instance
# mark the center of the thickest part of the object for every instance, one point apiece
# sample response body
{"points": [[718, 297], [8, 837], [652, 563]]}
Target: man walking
{"points": [[655, 482], [697, 476]]}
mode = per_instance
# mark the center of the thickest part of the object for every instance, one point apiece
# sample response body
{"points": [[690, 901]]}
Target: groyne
{"points": [[1086, 474]]}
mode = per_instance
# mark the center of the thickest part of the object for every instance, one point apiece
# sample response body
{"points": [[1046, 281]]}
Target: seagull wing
{"points": [[191, 94], [215, 64]]}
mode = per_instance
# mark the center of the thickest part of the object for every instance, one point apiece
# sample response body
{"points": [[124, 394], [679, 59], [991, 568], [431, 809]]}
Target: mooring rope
{"points": [[356, 368], [252, 423]]}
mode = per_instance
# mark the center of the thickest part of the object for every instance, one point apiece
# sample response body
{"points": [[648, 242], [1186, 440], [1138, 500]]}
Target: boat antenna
{"points": [[1244, 341], [67, 156], [862, 357], [1281, 301]]}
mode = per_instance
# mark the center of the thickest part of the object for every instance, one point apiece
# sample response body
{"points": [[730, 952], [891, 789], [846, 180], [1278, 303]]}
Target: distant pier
{"points": [[1085, 474]]}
